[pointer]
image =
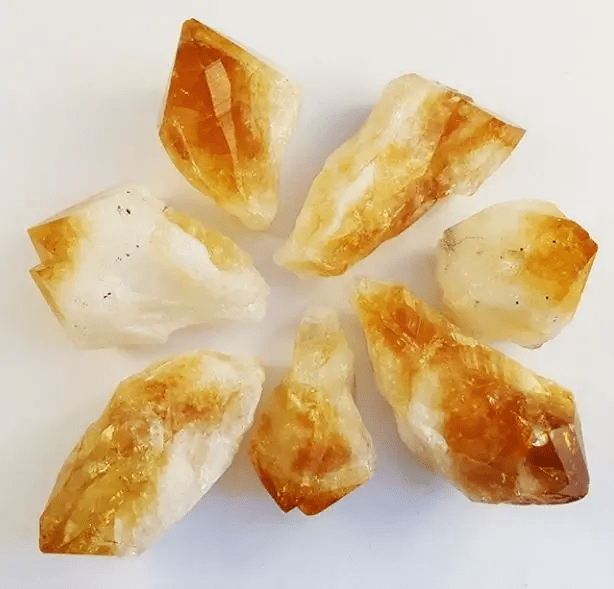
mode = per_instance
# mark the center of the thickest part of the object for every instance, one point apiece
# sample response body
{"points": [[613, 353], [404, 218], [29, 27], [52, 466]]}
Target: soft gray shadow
{"points": [[230, 337], [422, 277], [401, 486], [314, 140]]}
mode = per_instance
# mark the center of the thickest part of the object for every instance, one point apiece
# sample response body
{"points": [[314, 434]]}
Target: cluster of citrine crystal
{"points": [[123, 268]]}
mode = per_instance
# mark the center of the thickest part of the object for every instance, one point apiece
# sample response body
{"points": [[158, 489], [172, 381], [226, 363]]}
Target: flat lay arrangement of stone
{"points": [[123, 268]]}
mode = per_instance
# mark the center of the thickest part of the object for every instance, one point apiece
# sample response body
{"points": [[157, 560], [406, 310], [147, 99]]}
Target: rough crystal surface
{"points": [[123, 268], [500, 432], [421, 142], [165, 437], [227, 119], [310, 447], [515, 271]]}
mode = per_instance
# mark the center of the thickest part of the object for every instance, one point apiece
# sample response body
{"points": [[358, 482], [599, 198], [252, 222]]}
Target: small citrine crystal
{"points": [[515, 271], [500, 432], [165, 437], [123, 268], [227, 119], [310, 447], [421, 142]]}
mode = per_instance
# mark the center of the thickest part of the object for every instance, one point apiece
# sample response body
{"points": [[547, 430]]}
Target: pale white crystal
{"points": [[515, 271], [123, 268]]}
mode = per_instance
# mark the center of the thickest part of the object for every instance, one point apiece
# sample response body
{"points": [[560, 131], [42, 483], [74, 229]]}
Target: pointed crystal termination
{"points": [[226, 122], [499, 432], [164, 439], [515, 271], [310, 447], [421, 142], [123, 268]]}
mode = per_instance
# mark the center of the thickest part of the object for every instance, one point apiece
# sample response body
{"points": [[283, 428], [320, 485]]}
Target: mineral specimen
{"points": [[166, 436], [310, 447], [500, 432], [515, 271], [227, 119], [422, 142], [122, 268]]}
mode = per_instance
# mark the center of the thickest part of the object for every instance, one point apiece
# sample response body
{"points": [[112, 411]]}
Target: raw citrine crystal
{"points": [[500, 432], [227, 119], [515, 271], [310, 447], [165, 437], [421, 142], [123, 268]]}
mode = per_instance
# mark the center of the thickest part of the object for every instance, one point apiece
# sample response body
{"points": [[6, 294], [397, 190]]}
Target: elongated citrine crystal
{"points": [[163, 440], [421, 143], [498, 431]]}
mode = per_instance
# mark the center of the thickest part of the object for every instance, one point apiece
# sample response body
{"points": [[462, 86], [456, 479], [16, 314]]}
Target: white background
{"points": [[81, 87]]}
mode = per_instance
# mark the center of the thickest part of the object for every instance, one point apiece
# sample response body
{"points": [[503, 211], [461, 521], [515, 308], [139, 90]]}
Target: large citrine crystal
{"points": [[123, 268], [421, 142], [500, 432], [227, 119], [165, 437], [515, 271], [310, 447]]}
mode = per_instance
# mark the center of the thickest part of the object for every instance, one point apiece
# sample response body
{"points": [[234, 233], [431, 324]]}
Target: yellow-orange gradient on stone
{"points": [[163, 440], [226, 122], [421, 143], [515, 271], [310, 447], [499, 432]]}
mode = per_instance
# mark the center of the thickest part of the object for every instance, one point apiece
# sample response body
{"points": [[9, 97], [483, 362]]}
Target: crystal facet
{"points": [[421, 142], [123, 268], [515, 271], [310, 447], [500, 432], [165, 437], [227, 119]]}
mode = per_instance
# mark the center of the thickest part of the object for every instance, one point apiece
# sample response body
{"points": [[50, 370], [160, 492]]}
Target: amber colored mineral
{"points": [[165, 437], [499, 432], [421, 142], [515, 271], [310, 447], [123, 268], [226, 122]]}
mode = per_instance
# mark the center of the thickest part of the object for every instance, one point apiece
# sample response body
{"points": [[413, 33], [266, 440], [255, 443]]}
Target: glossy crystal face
{"points": [[227, 118]]}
